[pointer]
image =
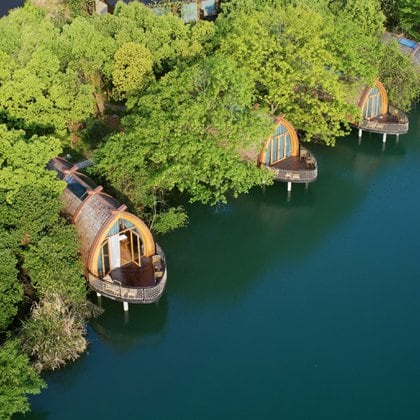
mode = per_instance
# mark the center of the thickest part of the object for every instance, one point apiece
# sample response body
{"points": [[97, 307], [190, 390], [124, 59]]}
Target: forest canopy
{"points": [[167, 110]]}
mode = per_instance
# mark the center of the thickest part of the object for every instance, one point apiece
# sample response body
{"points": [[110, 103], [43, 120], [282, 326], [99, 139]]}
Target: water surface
{"points": [[6, 5], [300, 308]]}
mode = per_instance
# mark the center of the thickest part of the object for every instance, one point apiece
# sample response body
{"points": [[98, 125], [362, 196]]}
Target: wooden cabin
{"points": [[121, 259], [286, 157], [377, 116]]}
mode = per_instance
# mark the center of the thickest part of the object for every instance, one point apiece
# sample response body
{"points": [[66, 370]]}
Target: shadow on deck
{"points": [[131, 275], [134, 284], [394, 122], [297, 169]]}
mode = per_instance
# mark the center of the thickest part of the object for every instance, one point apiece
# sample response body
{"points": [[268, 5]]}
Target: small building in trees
{"points": [[121, 259], [377, 116], [286, 157], [407, 46], [189, 10]]}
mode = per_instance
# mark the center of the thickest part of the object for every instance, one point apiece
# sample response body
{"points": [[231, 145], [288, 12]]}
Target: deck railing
{"points": [[115, 290], [307, 173], [395, 122]]}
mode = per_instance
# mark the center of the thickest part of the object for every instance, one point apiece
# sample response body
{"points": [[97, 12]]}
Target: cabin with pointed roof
{"points": [[377, 116], [283, 154], [121, 259]]}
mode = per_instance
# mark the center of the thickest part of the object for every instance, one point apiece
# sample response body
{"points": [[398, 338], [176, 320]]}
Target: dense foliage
{"points": [[166, 108], [403, 16]]}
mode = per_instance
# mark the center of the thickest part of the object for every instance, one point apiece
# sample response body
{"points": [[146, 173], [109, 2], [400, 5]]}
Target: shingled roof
{"points": [[85, 204]]}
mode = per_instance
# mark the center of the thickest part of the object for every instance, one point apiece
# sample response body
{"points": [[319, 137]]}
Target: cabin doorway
{"points": [[373, 107], [279, 147], [120, 249]]}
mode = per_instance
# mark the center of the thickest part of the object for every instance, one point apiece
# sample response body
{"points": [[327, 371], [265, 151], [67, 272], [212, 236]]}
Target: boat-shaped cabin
{"points": [[286, 157], [377, 116], [121, 259]]}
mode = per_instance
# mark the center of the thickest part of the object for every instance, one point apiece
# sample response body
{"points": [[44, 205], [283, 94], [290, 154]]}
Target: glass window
{"points": [[76, 187]]}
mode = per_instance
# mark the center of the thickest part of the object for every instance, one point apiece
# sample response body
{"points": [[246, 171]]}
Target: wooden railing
{"points": [[307, 173], [115, 290], [395, 122]]}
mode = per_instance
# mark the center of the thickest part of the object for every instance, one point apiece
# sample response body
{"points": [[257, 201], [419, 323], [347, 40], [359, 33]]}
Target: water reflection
{"points": [[234, 244], [142, 325]]}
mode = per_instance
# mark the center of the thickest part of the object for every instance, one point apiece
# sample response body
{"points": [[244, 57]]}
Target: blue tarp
{"points": [[408, 43]]}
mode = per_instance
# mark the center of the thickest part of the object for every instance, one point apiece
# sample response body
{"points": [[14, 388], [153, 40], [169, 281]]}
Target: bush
{"points": [[55, 333], [17, 380]]}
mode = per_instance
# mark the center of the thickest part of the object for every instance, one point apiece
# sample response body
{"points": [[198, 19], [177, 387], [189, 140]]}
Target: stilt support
{"points": [[125, 306], [384, 138], [289, 186], [360, 133], [98, 294], [306, 186], [397, 136]]}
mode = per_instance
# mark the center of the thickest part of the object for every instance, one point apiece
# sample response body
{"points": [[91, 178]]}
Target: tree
{"points": [[38, 90], [133, 64], [296, 72], [17, 380], [403, 16], [184, 133], [11, 291], [400, 77]]}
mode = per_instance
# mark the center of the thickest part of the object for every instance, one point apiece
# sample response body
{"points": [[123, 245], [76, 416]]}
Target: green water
{"points": [[307, 308]]}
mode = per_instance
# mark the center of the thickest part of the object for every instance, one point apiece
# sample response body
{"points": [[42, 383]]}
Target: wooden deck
{"points": [[297, 169], [134, 284], [394, 122], [131, 275]]}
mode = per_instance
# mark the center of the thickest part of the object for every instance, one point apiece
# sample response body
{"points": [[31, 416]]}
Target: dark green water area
{"points": [[305, 307]]}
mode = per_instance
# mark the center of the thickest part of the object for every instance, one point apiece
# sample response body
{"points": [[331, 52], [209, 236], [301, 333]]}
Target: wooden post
{"points": [[397, 136], [289, 186], [384, 138], [360, 133], [125, 306], [306, 186]]}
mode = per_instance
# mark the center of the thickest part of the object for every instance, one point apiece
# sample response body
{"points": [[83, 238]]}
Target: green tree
{"points": [[400, 77], [38, 90], [403, 16], [17, 380], [133, 64], [185, 134], [11, 291], [287, 52]]}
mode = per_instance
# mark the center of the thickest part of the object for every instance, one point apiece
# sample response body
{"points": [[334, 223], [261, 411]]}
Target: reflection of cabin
{"points": [[283, 154], [376, 114], [189, 10], [121, 259]]}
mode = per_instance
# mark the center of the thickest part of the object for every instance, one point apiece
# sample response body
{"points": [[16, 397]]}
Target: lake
{"points": [[6, 5], [300, 307]]}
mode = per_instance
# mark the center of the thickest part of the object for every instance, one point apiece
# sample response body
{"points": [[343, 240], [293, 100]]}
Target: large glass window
{"points": [[279, 147]]}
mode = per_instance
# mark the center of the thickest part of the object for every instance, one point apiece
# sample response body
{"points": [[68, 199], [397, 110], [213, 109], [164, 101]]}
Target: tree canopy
{"points": [[181, 109]]}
